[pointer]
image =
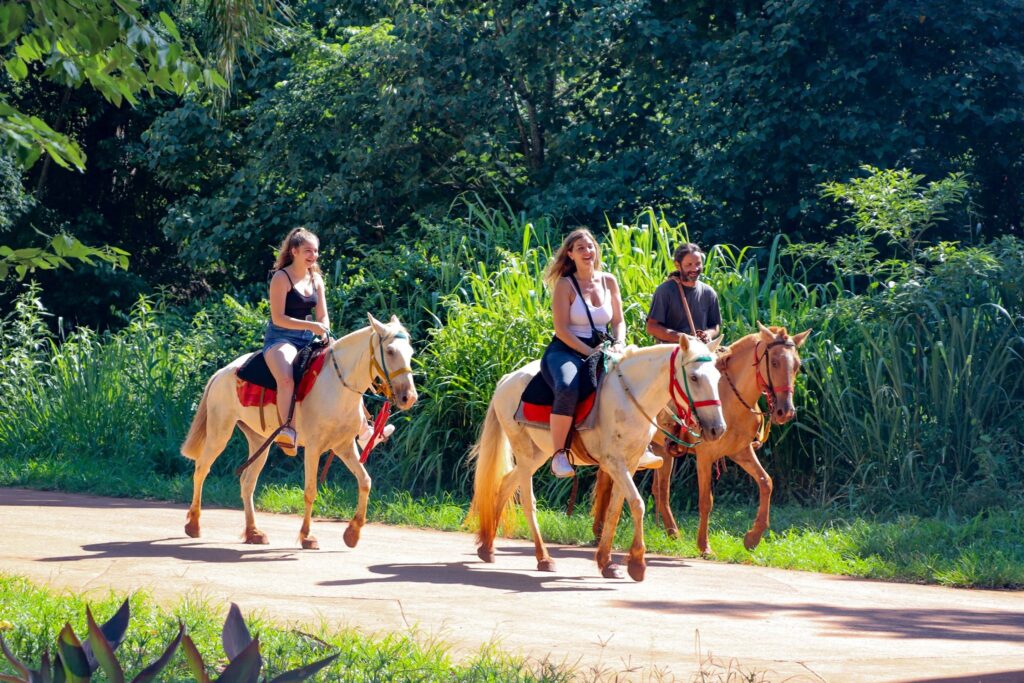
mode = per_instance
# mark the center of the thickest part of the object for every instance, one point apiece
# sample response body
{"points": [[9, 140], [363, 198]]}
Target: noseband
{"points": [[767, 387]]}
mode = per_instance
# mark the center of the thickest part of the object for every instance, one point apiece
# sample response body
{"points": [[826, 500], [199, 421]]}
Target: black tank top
{"points": [[297, 305]]}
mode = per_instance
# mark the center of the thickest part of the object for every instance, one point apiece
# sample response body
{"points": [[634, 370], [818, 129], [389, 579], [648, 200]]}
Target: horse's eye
{"points": [[693, 378]]}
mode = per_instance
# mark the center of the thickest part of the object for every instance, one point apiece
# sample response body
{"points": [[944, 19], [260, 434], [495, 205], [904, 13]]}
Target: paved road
{"points": [[784, 625]]}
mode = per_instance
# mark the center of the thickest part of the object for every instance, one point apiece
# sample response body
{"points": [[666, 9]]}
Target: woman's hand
{"points": [[320, 329], [618, 347]]}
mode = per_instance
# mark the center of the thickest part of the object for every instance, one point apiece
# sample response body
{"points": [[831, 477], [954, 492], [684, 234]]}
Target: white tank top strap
{"points": [[579, 324]]}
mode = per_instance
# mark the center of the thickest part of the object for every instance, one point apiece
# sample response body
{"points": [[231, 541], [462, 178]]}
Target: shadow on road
{"points": [[31, 498], [174, 548], [943, 624], [472, 573], [586, 553]]}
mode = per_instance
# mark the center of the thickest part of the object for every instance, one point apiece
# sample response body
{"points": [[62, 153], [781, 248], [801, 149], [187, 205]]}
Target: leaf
{"points": [[99, 652], [16, 68], [15, 662], [304, 672], [169, 24], [245, 668], [75, 665], [195, 660], [235, 636], [151, 671]]}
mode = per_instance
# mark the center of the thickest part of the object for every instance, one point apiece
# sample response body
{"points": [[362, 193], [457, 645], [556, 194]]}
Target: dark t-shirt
{"points": [[667, 309]]}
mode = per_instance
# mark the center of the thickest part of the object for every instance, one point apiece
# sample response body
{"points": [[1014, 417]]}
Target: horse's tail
{"points": [[493, 458], [194, 443]]}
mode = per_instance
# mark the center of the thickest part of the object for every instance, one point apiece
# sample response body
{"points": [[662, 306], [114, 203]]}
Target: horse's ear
{"points": [[715, 343], [767, 336], [799, 339], [377, 325], [394, 319], [684, 341]]}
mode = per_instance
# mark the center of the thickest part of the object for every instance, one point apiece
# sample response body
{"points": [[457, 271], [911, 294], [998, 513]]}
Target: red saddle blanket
{"points": [[533, 412], [250, 394]]}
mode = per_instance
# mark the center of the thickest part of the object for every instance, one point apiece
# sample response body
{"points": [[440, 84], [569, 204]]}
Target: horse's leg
{"points": [[660, 488], [602, 496], [613, 511], [248, 485], [311, 465], [529, 503], [747, 459], [706, 500], [350, 457], [218, 431], [625, 489], [508, 486]]}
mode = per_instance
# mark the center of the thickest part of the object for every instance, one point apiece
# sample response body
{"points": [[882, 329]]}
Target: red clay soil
{"points": [[781, 625]]}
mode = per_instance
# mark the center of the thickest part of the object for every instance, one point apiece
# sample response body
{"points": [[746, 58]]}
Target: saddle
{"points": [[257, 387], [535, 404]]}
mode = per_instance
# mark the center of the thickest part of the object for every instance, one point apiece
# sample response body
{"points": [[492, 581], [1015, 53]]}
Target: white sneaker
{"points": [[364, 437], [650, 461], [560, 466]]}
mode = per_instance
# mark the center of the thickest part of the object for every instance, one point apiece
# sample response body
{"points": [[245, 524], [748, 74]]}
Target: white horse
{"points": [[329, 417], [630, 396]]}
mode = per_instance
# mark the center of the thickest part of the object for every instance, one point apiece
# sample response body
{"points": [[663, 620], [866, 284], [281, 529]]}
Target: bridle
{"points": [[381, 377], [683, 417], [767, 387]]}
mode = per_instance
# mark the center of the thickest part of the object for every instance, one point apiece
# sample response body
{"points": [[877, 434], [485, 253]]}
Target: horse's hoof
{"points": [[351, 536], [546, 565], [256, 537], [707, 553], [612, 571], [485, 554], [192, 530], [637, 569], [751, 540], [310, 543], [672, 532]]}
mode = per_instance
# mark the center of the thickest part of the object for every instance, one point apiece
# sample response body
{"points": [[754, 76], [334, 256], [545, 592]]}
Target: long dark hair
{"points": [[296, 238]]}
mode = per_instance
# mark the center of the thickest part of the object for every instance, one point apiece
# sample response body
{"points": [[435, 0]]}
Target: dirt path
{"points": [[793, 626]]}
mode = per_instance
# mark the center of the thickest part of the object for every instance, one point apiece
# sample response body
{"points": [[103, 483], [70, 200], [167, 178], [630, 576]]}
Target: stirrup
{"points": [[287, 440], [364, 437], [560, 465]]}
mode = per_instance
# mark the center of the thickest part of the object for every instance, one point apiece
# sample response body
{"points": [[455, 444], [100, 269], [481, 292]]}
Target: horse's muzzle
{"points": [[406, 399], [712, 431]]}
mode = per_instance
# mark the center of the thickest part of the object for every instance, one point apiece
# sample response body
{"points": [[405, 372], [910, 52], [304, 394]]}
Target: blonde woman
{"points": [[586, 308]]}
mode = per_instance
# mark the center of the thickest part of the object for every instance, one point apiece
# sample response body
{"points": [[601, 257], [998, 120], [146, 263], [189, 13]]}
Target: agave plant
{"points": [[75, 661]]}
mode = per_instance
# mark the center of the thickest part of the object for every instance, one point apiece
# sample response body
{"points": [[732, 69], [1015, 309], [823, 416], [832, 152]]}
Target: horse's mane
{"points": [[393, 328], [726, 352]]}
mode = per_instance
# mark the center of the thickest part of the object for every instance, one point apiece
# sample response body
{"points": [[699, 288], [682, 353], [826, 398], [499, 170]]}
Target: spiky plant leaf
{"points": [[304, 672], [150, 672], [100, 652], [245, 668], [195, 660], [74, 663], [15, 662], [113, 629], [235, 636]]}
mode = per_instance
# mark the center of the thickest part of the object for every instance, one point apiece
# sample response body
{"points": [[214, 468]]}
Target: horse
{"points": [[765, 362], [329, 417], [630, 394]]}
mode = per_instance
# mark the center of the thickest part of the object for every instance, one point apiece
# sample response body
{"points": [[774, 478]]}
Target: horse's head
{"points": [[696, 373], [777, 368], [393, 352]]}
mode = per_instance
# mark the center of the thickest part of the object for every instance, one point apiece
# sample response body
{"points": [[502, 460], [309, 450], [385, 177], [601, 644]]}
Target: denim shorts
{"points": [[276, 335]]}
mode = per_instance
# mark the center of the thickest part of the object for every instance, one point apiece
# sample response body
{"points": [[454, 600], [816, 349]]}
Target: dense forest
{"points": [[855, 166]]}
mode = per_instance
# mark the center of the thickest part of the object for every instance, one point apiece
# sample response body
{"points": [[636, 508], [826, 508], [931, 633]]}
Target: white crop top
{"points": [[579, 325]]}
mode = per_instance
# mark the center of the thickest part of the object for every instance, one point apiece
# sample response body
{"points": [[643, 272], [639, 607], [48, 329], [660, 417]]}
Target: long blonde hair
{"points": [[561, 265], [296, 238]]}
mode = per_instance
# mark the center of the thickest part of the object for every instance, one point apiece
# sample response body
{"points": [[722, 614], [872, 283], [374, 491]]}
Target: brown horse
{"points": [[765, 362], [328, 418]]}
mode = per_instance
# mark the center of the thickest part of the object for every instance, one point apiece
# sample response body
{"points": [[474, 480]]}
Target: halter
{"points": [[767, 387]]}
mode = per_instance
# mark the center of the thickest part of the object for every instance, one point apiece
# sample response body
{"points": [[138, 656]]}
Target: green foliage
{"points": [[76, 661], [56, 254]]}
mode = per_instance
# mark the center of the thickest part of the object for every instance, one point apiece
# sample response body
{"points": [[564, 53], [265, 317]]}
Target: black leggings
{"points": [[561, 366]]}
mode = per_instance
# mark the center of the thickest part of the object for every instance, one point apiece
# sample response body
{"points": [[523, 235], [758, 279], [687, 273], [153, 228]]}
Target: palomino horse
{"points": [[765, 362], [329, 417], [635, 390]]}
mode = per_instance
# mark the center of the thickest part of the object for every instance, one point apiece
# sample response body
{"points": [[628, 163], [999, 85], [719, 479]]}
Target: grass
{"points": [[984, 551], [31, 617]]}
